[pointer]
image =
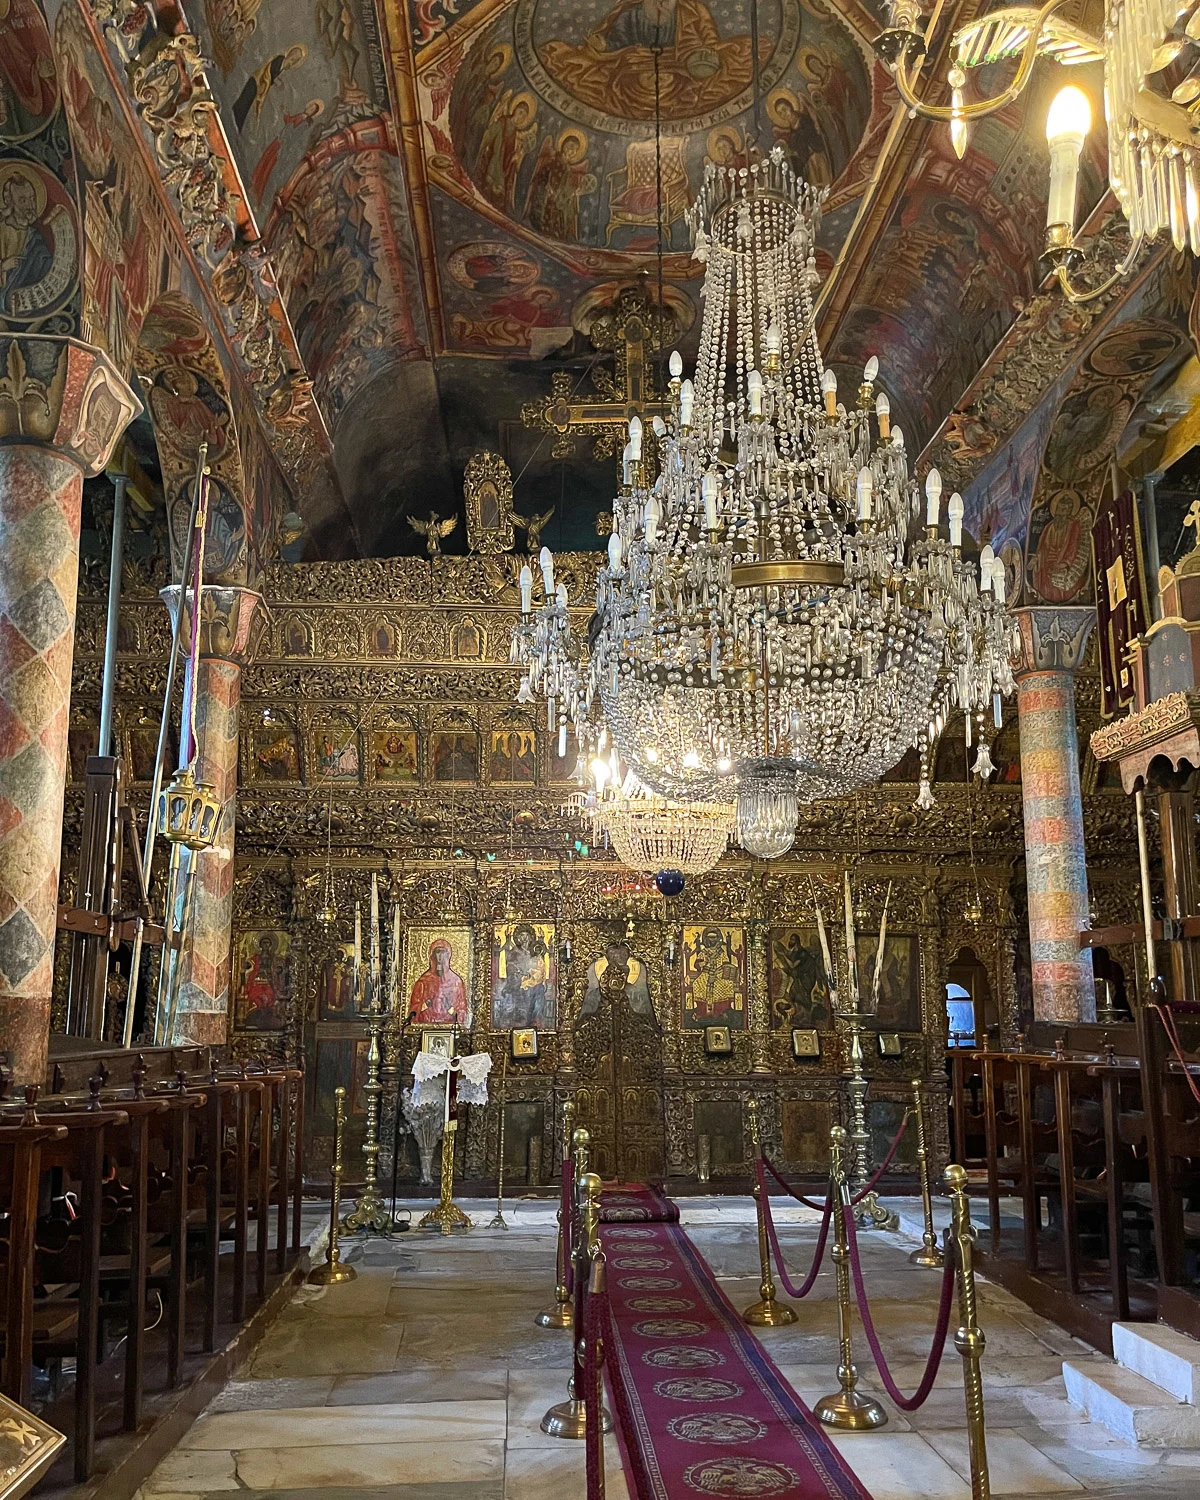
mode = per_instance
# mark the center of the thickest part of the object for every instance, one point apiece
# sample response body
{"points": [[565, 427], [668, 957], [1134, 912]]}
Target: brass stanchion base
{"points": [[929, 1256], [445, 1216], [370, 1213], [770, 1314], [331, 1272], [869, 1213], [561, 1315], [850, 1411], [569, 1419], [498, 1221]]}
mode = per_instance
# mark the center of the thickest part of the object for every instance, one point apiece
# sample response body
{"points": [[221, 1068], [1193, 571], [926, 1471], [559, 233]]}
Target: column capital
{"points": [[228, 615], [63, 395], [1053, 636]]}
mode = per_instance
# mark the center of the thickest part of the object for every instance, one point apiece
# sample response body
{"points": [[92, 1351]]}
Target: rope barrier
{"points": [[810, 1279], [1169, 1026], [945, 1304], [884, 1164], [791, 1191], [566, 1209]]}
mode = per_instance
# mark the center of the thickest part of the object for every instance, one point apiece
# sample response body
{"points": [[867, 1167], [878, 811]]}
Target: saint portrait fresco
{"points": [[604, 971], [275, 746], [524, 976], [39, 244], [263, 981], [337, 984], [28, 78], [335, 747], [714, 977], [438, 968], [454, 755], [1060, 561], [799, 990], [899, 1006], [394, 747], [512, 760]]}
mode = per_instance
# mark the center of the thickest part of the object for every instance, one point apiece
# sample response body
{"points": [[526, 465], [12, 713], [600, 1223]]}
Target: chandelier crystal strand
{"points": [[782, 615]]}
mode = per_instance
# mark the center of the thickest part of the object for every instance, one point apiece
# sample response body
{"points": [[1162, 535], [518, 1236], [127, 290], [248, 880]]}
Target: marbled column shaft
{"points": [[1056, 866], [40, 494]]}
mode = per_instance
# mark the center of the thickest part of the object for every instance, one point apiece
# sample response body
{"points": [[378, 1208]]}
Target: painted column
{"points": [[227, 616], [1053, 641], [62, 408]]}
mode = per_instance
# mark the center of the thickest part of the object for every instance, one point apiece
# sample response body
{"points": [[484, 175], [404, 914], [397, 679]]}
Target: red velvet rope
{"points": [[884, 1164], [1168, 1022], [791, 1191], [566, 1213], [918, 1398], [810, 1279]]}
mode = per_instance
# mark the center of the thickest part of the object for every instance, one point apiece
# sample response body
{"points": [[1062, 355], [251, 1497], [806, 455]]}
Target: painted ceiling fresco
{"points": [[453, 190]]}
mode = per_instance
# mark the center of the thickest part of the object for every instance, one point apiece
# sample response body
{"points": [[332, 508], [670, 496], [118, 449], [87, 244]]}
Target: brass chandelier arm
{"points": [[1063, 275], [980, 108]]}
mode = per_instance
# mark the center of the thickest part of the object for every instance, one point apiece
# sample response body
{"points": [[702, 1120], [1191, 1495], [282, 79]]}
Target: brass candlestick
{"points": [[446, 1215], [498, 1220], [768, 1311], [371, 1212], [869, 1213], [562, 1314], [930, 1253], [334, 1268], [568, 1419], [847, 1407], [969, 1340]]}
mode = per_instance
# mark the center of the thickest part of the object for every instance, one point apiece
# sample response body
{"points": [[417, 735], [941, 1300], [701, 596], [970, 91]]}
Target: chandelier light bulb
{"points": [[525, 692], [954, 513], [659, 427], [687, 399], [653, 517], [635, 438], [754, 394], [708, 488], [599, 769], [897, 437], [986, 558], [546, 563], [560, 595], [614, 553], [933, 497], [526, 588], [1067, 125], [774, 343], [675, 364], [883, 411], [863, 494], [999, 586], [829, 391], [871, 371]]}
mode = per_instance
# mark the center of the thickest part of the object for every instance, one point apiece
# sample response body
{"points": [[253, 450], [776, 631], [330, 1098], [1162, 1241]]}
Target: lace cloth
{"points": [[473, 1070]]}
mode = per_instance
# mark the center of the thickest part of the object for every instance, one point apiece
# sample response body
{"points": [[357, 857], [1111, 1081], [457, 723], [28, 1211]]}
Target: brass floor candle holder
{"points": [[847, 1408], [868, 1212], [562, 1314], [568, 1419], [335, 1269], [930, 1253], [371, 1212], [446, 1214], [768, 1311]]}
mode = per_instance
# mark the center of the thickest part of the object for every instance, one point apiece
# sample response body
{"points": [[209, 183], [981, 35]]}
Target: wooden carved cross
{"points": [[633, 330]]}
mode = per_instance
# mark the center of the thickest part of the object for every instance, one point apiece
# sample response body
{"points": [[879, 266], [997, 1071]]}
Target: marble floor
{"points": [[426, 1379]]}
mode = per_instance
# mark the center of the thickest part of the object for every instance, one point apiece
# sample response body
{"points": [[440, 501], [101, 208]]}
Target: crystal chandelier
{"points": [[1153, 164], [650, 834], [772, 597]]}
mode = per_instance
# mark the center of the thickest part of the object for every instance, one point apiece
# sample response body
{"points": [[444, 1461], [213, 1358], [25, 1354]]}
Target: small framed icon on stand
{"points": [[718, 1041], [805, 1044], [523, 1044], [890, 1044]]}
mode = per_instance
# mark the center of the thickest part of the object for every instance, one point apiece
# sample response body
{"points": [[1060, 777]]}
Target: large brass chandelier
{"points": [[782, 614], [1151, 55]]}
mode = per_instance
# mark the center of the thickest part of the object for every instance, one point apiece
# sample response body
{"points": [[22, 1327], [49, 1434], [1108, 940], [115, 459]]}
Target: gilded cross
{"points": [[633, 330]]}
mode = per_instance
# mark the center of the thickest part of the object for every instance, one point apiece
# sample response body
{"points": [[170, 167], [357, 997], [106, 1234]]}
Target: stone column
{"points": [[1053, 641], [227, 615], [62, 408]]}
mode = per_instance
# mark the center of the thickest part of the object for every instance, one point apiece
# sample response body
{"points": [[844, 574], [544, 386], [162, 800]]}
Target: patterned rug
{"points": [[707, 1413], [636, 1203]]}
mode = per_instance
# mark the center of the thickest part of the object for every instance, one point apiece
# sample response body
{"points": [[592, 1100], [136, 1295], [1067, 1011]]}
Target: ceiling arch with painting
{"points": [[453, 191]]}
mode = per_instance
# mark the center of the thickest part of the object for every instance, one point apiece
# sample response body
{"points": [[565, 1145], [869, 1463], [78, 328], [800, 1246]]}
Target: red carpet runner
{"points": [[636, 1203], [710, 1414]]}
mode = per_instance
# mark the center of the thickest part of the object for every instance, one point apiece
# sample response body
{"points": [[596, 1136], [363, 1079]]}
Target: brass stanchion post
{"points": [[847, 1407], [969, 1339], [498, 1219], [597, 1287], [930, 1253], [768, 1311], [562, 1314], [568, 1419], [334, 1269]]}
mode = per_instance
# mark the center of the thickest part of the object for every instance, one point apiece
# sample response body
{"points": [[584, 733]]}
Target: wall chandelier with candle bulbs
{"points": [[1151, 55], [782, 614]]}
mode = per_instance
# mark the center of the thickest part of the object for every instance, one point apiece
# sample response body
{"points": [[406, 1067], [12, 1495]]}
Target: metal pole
{"points": [[768, 1311], [1139, 804], [108, 680], [1153, 563], [930, 1253], [335, 1268], [135, 961]]}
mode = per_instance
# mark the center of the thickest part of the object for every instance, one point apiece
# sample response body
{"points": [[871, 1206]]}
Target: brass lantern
{"points": [[189, 811]]}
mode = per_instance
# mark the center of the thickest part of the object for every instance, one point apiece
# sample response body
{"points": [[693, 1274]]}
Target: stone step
{"points": [[1159, 1354], [1131, 1407]]}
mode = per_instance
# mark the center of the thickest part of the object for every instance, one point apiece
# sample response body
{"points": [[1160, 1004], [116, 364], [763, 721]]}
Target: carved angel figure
{"points": [[433, 531]]}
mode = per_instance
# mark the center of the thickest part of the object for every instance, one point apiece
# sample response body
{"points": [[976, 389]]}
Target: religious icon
{"points": [[454, 755], [39, 248], [437, 976], [383, 638], [439, 1042], [337, 984], [394, 745], [806, 1043], [714, 977], [466, 641], [487, 497], [799, 990], [143, 747], [560, 179], [513, 757], [83, 737], [276, 750], [717, 1041], [889, 1044], [1061, 559], [336, 747], [524, 1043], [263, 993], [297, 638], [28, 78], [617, 968], [524, 976], [899, 1007], [507, 140]]}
